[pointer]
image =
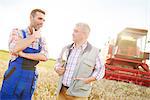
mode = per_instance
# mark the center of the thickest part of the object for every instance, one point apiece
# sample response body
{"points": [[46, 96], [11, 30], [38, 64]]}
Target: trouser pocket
{"points": [[9, 72], [11, 78]]}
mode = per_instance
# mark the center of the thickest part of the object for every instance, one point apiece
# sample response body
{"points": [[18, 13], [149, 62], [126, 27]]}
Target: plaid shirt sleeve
{"points": [[13, 38], [44, 50], [99, 70]]}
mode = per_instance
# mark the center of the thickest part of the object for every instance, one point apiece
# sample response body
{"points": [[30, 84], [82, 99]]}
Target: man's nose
{"points": [[73, 34], [42, 22]]}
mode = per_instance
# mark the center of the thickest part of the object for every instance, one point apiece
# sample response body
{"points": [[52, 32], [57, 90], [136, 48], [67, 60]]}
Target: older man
{"points": [[27, 48], [78, 65]]}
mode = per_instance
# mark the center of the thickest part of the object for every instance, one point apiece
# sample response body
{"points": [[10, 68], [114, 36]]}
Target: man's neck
{"points": [[78, 44], [30, 30]]}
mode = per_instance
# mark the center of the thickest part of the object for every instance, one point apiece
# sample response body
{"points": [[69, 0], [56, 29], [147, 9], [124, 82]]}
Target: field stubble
{"points": [[102, 90]]}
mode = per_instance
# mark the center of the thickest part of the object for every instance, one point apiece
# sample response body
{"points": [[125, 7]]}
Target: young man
{"points": [[78, 65], [27, 48]]}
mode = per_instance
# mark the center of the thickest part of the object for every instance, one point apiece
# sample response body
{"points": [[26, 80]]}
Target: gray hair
{"points": [[84, 27]]}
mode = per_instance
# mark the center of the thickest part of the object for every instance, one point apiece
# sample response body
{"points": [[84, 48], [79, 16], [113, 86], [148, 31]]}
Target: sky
{"points": [[106, 18]]}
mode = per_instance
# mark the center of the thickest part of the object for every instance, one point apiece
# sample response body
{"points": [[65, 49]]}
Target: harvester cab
{"points": [[127, 58]]}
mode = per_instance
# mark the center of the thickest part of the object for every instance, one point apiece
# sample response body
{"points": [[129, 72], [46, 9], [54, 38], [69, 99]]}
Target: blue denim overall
{"points": [[20, 78]]}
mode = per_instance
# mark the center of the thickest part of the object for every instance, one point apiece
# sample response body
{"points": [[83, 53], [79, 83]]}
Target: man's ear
{"points": [[31, 17]]}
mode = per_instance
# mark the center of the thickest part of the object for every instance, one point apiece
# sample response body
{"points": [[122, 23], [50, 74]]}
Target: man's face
{"points": [[37, 20], [78, 35]]}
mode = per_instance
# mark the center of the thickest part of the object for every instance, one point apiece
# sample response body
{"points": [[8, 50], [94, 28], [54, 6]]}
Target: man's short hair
{"points": [[33, 12], [85, 27]]}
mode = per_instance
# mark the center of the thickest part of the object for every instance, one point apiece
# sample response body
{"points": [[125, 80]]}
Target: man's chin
{"points": [[73, 40], [38, 28]]}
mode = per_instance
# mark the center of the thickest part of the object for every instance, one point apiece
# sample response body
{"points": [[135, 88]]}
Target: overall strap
{"points": [[24, 33], [40, 42]]}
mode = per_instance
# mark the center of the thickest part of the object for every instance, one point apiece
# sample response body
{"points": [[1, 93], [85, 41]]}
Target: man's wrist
{"points": [[23, 54], [91, 79]]}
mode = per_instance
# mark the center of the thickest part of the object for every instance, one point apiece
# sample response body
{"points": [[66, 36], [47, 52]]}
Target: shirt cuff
{"points": [[99, 74]]}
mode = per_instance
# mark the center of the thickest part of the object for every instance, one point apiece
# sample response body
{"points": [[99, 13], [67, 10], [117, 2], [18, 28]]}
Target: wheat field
{"points": [[102, 90]]}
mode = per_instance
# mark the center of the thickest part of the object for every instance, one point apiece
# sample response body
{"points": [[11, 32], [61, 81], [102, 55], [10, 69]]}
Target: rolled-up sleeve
{"points": [[13, 38], [99, 70], [44, 49]]}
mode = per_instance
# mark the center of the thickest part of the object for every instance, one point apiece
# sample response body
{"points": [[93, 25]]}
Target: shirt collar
{"points": [[83, 46], [27, 31]]}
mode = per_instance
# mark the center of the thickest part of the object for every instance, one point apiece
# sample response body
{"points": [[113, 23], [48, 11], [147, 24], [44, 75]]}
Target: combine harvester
{"points": [[126, 59]]}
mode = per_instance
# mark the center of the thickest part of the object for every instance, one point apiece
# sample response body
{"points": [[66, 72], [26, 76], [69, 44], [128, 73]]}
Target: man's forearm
{"points": [[23, 43], [36, 56], [86, 80]]}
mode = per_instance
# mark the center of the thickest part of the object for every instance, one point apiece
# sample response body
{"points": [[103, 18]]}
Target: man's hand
{"points": [[60, 70], [86, 80]]}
